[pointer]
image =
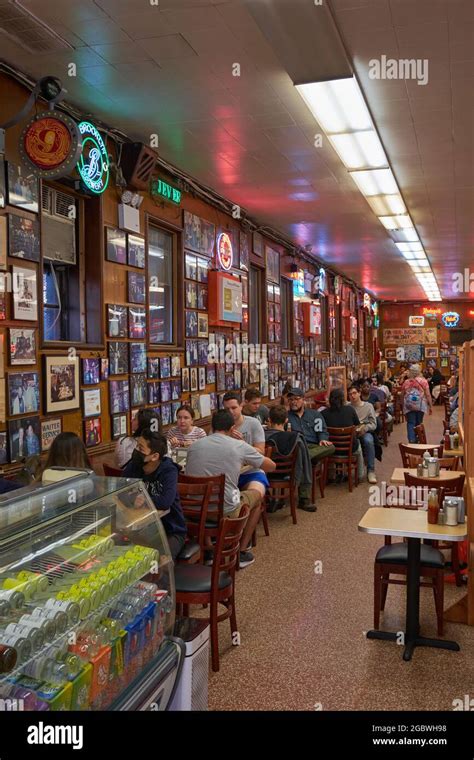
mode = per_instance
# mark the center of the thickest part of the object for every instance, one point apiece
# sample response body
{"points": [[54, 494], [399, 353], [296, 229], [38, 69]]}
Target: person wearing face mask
{"points": [[159, 474]]}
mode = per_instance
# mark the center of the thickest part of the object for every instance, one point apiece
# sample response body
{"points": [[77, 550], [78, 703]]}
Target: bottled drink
{"points": [[46, 625], [8, 658], [447, 441], [46, 669], [456, 441], [35, 635], [39, 581], [59, 618], [5, 608], [15, 598], [72, 609], [21, 645], [433, 506]]}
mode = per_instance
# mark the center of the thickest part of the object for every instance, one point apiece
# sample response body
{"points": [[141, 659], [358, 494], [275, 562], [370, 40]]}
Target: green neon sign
{"points": [[170, 193], [93, 164]]}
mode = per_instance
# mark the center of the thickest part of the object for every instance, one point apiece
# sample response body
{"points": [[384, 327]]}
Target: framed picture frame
{"points": [[3, 183], [336, 377], [244, 251], [153, 367], [202, 297], [190, 267], [24, 436], [185, 384], [154, 394], [191, 322], [25, 294], [210, 374], [23, 188], [175, 390], [136, 322], [23, 238], [22, 346], [138, 389], [166, 414], [203, 325], [117, 321], [136, 287], [364, 369], [91, 402], [257, 244], [194, 382], [119, 427], [431, 352], [116, 245], [62, 383], [104, 368], [135, 251], [138, 363], [202, 269], [195, 405], [165, 367], [383, 367], [202, 378], [50, 429], [175, 366], [165, 391], [272, 263], [23, 393], [118, 357], [3, 238], [390, 353], [191, 295], [90, 371], [208, 237], [93, 432], [119, 393]]}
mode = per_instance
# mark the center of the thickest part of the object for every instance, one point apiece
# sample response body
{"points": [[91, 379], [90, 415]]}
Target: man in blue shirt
{"points": [[312, 426]]}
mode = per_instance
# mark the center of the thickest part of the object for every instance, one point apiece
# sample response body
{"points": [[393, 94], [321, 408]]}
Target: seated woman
{"points": [[126, 445], [184, 433], [67, 450], [342, 414], [435, 380]]}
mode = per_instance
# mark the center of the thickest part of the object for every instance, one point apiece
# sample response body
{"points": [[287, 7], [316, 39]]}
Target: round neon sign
{"points": [[93, 165], [50, 144], [225, 253], [450, 319]]}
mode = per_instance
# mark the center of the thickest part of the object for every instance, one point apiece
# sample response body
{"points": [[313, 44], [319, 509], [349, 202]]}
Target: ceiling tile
{"points": [[168, 47], [121, 52]]}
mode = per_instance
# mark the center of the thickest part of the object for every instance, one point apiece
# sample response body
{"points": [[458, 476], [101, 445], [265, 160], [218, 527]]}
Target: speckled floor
{"points": [[302, 633]]}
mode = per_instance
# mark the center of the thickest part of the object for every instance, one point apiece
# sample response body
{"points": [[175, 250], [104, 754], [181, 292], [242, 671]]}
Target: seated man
{"points": [[220, 452], [160, 476], [246, 429], [312, 426], [284, 443], [253, 406], [368, 425]]}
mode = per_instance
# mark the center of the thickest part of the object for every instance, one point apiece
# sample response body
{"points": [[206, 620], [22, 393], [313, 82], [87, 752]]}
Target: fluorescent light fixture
{"points": [[338, 106], [409, 247], [359, 150], [419, 266], [418, 256], [375, 182], [400, 222], [405, 236], [386, 204]]}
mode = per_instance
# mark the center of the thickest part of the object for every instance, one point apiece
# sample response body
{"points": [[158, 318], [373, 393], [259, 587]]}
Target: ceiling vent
{"points": [[28, 31]]}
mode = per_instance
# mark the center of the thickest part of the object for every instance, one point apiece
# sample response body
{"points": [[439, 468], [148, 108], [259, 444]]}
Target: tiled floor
{"points": [[302, 633]]}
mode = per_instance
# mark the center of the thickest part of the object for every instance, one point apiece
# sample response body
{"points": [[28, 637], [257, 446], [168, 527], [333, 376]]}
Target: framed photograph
{"points": [[188, 229], [245, 374], [138, 390], [244, 252], [117, 321], [104, 368], [203, 325], [90, 371], [272, 264], [3, 184], [136, 251], [137, 357], [174, 409], [238, 378], [136, 322], [208, 235], [175, 366], [93, 431], [23, 190], [203, 352], [119, 391], [116, 245], [23, 392], [175, 390], [257, 244], [3, 298], [136, 287], [190, 291], [431, 353], [202, 378], [444, 362], [277, 312], [210, 374], [194, 379], [118, 358], [390, 353], [195, 405], [165, 391], [276, 294], [220, 377], [431, 363], [24, 437], [245, 289], [25, 294], [165, 367], [3, 440], [185, 380], [229, 381], [49, 430], [202, 297], [191, 352], [23, 238], [3, 237], [191, 322], [202, 270], [190, 269], [414, 353], [166, 414], [271, 332], [119, 426], [91, 402], [22, 346], [154, 396], [153, 367], [383, 367], [62, 382]]}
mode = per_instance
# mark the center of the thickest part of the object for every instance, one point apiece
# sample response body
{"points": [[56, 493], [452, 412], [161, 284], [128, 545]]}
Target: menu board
{"points": [[410, 335]]}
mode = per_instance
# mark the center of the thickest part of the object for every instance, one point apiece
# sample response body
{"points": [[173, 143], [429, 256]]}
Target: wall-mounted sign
{"points": [[225, 254], [416, 321], [93, 164], [50, 145], [323, 282], [299, 284], [375, 312], [225, 298], [431, 312], [164, 190], [450, 318], [367, 301], [311, 319]]}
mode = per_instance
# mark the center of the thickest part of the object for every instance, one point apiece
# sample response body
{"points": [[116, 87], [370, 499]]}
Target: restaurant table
{"points": [[459, 452], [413, 525], [398, 475]]}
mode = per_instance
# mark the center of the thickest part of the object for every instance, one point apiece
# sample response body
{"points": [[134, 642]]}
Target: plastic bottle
{"points": [[8, 657], [433, 506]]}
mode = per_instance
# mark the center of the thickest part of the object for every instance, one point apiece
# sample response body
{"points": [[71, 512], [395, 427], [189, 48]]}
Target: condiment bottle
{"points": [[433, 506], [447, 441]]}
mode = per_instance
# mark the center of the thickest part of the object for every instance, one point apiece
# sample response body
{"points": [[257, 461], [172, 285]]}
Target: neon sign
{"points": [[430, 312], [93, 164], [170, 193], [366, 301], [416, 321], [450, 319], [298, 284], [225, 253]]}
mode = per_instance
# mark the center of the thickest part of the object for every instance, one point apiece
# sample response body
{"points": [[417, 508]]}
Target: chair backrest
{"points": [[215, 507], [228, 545], [285, 465], [113, 472], [194, 498], [342, 439], [452, 487], [425, 485], [448, 463], [420, 434], [406, 449]]}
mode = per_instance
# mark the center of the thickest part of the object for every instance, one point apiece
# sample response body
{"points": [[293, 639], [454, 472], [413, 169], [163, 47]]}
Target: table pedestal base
{"points": [[419, 641]]}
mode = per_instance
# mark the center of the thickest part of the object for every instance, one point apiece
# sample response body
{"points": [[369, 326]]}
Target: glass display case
{"points": [[87, 601]]}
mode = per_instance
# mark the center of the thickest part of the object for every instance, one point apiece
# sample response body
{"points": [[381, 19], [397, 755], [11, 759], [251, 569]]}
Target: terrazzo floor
{"points": [[303, 645]]}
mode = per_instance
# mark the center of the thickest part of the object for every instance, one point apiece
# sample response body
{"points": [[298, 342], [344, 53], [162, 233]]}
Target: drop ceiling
{"points": [[168, 69]]}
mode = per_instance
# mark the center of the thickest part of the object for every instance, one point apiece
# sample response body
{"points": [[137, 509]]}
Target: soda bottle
{"points": [[433, 506], [8, 657]]}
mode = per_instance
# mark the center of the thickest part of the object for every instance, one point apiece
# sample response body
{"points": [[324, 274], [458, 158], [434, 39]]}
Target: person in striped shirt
{"points": [[185, 432]]}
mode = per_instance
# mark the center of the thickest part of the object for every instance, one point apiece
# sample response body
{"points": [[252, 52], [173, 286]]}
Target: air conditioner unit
{"points": [[192, 689], [58, 218]]}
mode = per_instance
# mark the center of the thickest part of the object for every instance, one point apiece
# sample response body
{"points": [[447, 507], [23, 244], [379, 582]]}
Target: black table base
{"points": [[419, 641]]}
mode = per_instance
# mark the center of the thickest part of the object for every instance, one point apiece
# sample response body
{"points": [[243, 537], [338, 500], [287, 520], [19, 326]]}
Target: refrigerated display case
{"points": [[87, 598]]}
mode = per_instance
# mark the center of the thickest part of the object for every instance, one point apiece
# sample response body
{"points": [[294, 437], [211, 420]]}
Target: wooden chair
{"points": [[343, 440], [112, 472], [282, 480], [406, 449], [215, 506], [199, 584], [392, 559], [398, 414], [383, 420], [194, 497], [420, 434], [454, 487], [320, 475], [449, 463]]}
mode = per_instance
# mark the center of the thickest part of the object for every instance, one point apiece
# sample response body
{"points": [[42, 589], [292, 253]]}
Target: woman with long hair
{"points": [[68, 450], [146, 418]]}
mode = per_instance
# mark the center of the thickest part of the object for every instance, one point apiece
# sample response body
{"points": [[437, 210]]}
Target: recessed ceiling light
{"points": [[400, 222], [375, 182], [338, 106], [359, 150]]}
